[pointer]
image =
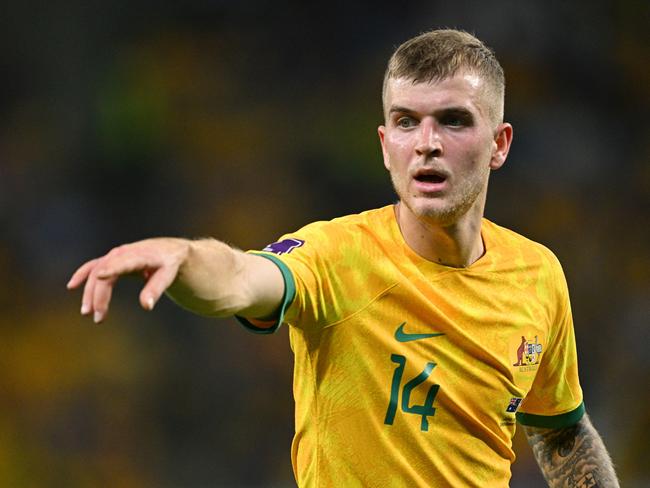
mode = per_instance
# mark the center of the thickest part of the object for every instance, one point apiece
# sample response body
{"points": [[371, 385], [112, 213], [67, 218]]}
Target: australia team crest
{"points": [[528, 354]]}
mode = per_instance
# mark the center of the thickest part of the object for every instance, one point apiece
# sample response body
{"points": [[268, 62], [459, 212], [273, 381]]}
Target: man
{"points": [[421, 330]]}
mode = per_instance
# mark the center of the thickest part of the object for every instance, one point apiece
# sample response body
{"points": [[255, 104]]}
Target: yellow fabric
{"points": [[508, 334]]}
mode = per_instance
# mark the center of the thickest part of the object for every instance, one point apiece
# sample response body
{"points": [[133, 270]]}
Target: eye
{"points": [[456, 120], [453, 121], [406, 122]]}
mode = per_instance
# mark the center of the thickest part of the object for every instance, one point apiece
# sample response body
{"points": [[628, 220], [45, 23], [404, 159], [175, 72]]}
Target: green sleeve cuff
{"points": [[287, 298], [552, 421]]}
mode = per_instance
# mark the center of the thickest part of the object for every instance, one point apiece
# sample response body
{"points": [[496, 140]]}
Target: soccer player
{"points": [[422, 331]]}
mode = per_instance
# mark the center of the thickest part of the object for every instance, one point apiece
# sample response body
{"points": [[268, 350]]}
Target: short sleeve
{"points": [[270, 326], [308, 260], [555, 399]]}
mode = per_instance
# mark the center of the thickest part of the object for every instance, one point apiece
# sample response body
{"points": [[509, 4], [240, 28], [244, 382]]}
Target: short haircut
{"points": [[440, 54]]}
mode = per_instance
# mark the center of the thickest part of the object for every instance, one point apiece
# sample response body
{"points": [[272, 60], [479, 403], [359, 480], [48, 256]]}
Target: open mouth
{"points": [[430, 178]]}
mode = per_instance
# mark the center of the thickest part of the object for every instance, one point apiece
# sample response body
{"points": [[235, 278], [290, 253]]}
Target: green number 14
{"points": [[426, 409]]}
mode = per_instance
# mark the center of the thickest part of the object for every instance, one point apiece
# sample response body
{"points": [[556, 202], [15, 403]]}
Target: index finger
{"points": [[125, 263]]}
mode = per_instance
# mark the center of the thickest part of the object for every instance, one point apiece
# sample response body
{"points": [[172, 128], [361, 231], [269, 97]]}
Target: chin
{"points": [[439, 212]]}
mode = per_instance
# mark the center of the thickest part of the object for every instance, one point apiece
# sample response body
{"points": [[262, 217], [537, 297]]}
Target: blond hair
{"points": [[440, 54]]}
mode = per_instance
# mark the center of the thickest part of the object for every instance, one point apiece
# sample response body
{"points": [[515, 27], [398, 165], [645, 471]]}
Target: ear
{"points": [[381, 130], [501, 145]]}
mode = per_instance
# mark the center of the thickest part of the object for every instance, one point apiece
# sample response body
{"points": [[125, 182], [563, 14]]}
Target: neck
{"points": [[457, 245]]}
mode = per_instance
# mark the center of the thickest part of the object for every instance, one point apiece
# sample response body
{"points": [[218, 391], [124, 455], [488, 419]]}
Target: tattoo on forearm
{"points": [[574, 457]]}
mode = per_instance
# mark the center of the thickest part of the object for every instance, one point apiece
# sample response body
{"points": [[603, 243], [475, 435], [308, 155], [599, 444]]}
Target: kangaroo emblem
{"points": [[520, 352], [528, 352]]}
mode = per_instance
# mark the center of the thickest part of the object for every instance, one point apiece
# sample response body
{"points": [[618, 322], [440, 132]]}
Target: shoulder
{"points": [[369, 220], [333, 265], [350, 231], [513, 245]]}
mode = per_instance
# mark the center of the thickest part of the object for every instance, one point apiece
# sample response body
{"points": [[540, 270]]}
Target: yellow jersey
{"points": [[409, 373]]}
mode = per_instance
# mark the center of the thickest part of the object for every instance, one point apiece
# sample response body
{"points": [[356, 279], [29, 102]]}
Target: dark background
{"points": [[245, 120]]}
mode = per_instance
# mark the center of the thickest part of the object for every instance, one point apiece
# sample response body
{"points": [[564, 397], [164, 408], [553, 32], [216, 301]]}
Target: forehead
{"points": [[463, 89]]}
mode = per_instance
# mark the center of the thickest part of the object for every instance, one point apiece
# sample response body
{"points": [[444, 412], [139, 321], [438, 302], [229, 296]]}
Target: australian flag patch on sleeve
{"points": [[514, 405], [285, 246]]}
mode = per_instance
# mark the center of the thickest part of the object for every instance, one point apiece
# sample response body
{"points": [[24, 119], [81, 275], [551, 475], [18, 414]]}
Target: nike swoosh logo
{"points": [[402, 336]]}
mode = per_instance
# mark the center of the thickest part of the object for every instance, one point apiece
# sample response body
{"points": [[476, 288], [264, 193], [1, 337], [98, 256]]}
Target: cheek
{"points": [[397, 143], [397, 153], [472, 151]]}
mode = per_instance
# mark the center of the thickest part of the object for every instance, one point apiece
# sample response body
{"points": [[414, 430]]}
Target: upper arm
{"points": [[301, 278], [555, 397], [265, 285], [548, 443], [572, 456]]}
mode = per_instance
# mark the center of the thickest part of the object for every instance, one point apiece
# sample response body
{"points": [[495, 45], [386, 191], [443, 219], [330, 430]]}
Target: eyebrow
{"points": [[459, 110], [396, 108]]}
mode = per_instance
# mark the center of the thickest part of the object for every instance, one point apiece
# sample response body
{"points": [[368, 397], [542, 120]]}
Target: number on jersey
{"points": [[426, 409]]}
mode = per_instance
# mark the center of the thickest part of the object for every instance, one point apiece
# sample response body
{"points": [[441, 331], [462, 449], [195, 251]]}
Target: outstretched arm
{"points": [[572, 457], [205, 276]]}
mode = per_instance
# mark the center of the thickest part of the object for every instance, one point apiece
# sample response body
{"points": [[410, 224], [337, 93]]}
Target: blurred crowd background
{"points": [[244, 120]]}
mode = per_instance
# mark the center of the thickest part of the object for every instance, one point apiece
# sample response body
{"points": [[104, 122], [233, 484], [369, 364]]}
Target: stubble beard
{"points": [[449, 208]]}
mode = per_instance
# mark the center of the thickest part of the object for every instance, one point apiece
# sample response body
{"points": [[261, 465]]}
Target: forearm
{"points": [[206, 276], [572, 457], [216, 280]]}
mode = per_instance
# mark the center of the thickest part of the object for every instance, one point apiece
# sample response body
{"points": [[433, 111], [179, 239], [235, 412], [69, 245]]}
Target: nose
{"points": [[428, 143]]}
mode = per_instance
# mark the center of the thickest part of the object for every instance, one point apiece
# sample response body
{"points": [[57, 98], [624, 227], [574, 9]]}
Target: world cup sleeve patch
{"points": [[285, 246]]}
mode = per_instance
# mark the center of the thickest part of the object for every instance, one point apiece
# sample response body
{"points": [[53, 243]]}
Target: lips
{"points": [[430, 180]]}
